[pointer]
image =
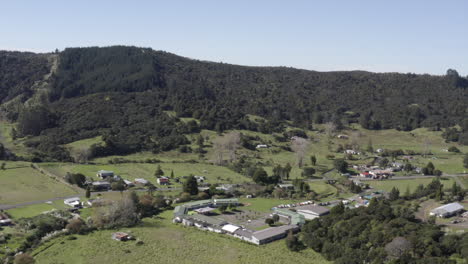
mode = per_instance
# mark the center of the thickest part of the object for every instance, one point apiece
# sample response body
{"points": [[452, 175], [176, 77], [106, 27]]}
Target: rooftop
{"points": [[273, 231], [314, 208], [448, 208]]}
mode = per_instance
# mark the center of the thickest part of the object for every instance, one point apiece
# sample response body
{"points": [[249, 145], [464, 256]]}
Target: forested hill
{"points": [[120, 91]]}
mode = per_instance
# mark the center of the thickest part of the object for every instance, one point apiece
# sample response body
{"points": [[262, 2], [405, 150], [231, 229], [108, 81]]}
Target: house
{"points": [[199, 179], [342, 136], [73, 202], [312, 211], [105, 173], [128, 183], [226, 187], [121, 236], [5, 220], [286, 186], [261, 146], [272, 233], [365, 174], [163, 181], [101, 186], [141, 181], [379, 150], [352, 152], [447, 210]]}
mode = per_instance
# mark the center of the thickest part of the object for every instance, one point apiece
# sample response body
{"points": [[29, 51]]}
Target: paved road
{"points": [[11, 206]]}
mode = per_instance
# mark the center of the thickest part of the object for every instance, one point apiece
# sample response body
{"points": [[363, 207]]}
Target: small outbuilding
{"points": [[105, 173], [447, 210], [73, 202], [121, 236]]}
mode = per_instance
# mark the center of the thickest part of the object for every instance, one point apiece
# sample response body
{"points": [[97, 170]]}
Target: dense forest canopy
{"points": [[122, 92]]}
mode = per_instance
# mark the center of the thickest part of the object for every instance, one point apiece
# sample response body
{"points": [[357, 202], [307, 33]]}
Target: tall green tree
{"points": [[313, 160], [159, 172], [190, 185]]}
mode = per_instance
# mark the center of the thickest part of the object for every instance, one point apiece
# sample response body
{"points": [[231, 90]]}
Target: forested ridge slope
{"points": [[121, 92]]}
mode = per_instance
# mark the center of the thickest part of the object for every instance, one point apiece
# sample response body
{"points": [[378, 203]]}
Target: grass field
{"points": [[130, 171], [36, 209], [402, 185], [20, 183], [164, 242]]}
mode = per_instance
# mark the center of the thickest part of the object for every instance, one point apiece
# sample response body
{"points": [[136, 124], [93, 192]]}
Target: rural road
{"points": [[11, 206]]}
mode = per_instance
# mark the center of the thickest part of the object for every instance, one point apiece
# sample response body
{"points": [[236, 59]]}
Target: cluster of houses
{"points": [[5, 219], [108, 176], [374, 172], [447, 210], [184, 214]]}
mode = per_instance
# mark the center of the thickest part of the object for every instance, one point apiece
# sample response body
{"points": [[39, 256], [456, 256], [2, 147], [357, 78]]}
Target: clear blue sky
{"points": [[395, 35]]}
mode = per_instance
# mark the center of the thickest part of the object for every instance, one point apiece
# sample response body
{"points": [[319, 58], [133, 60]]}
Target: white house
{"points": [[73, 202], [261, 146], [141, 181]]}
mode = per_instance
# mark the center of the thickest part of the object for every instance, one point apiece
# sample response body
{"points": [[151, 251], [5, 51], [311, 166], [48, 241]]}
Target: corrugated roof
{"points": [[448, 208], [273, 231], [319, 210], [207, 219], [230, 228]]}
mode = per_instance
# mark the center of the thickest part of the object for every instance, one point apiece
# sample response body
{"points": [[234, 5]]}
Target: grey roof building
{"points": [[447, 210]]}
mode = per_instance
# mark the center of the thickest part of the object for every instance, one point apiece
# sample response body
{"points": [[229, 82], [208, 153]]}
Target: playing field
{"points": [[410, 184]]}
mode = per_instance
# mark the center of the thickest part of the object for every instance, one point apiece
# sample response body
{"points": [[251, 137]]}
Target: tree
{"points": [[341, 165], [172, 174], [313, 160], [190, 185], [276, 218], [465, 161], [118, 186], [121, 213], [308, 172], [200, 141], [369, 147], [398, 247], [288, 168], [2, 167], [260, 176], [151, 188], [222, 208], [88, 192], [76, 226], [337, 209], [408, 167], [159, 172], [453, 149], [269, 221], [292, 242], [383, 163], [24, 258], [394, 194]]}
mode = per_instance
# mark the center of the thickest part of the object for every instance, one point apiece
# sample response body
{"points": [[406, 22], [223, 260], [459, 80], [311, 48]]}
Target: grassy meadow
{"points": [[21, 183], [164, 242]]}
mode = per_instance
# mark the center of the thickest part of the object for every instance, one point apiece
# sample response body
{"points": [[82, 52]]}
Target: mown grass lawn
{"points": [[164, 242], [402, 185], [36, 209], [20, 183]]}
